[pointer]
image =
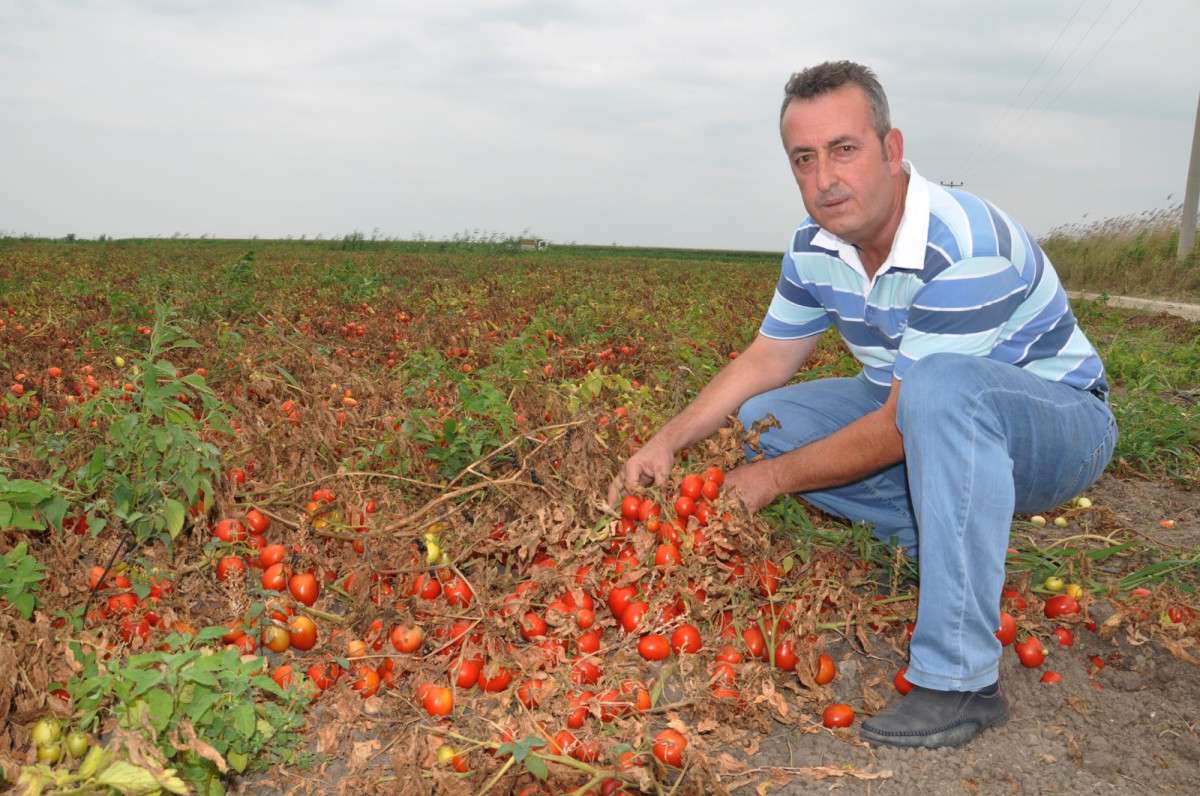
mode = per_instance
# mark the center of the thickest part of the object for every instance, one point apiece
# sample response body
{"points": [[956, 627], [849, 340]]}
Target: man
{"points": [[979, 394]]}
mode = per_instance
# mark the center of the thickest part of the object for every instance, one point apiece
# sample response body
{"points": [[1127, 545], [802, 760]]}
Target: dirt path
{"points": [[1189, 311]]}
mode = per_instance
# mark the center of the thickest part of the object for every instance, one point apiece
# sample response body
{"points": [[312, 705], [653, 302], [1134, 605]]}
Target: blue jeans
{"points": [[982, 440]]}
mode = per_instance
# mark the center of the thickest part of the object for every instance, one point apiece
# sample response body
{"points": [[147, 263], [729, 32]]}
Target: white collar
{"points": [[908, 247]]}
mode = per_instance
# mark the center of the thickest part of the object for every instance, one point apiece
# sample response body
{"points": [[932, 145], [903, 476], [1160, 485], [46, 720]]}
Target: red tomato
{"points": [[533, 626], [324, 675], [654, 647], [686, 639], [282, 676], [685, 507], [1007, 633], [714, 474], [667, 556], [901, 682], [528, 693], [631, 617], [630, 506], [619, 599], [826, 670], [768, 578], [274, 578], [691, 486], [1065, 637], [427, 586], [837, 715], [588, 642], [1031, 652], [230, 531], [729, 654], [257, 522], [465, 672], [498, 681], [579, 711], [585, 672], [367, 683], [710, 490], [406, 638], [585, 618], [457, 592], [785, 656], [1061, 605], [755, 643], [304, 632], [304, 587], [1050, 676], [271, 554], [669, 746], [124, 603], [647, 509], [230, 566]]}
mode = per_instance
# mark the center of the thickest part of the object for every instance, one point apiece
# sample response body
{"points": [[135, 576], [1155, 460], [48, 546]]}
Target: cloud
{"points": [[630, 122]]}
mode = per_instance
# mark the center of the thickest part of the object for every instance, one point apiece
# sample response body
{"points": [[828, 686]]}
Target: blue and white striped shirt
{"points": [[962, 277]]}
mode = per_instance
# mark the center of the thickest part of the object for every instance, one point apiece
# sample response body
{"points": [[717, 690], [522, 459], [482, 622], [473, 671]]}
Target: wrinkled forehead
{"points": [[828, 118]]}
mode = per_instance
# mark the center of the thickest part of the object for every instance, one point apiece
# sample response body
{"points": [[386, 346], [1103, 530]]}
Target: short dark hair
{"points": [[832, 75]]}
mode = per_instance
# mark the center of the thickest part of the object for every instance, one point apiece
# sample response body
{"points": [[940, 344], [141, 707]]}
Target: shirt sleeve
{"points": [[794, 312], [962, 310]]}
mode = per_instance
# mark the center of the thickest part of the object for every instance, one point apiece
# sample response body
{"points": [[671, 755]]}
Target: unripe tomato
{"points": [[257, 522], [686, 639], [49, 753], [276, 638], [304, 587], [45, 731], [437, 700], [654, 647], [669, 746], [1054, 583], [77, 743], [826, 670], [838, 714], [304, 632]]}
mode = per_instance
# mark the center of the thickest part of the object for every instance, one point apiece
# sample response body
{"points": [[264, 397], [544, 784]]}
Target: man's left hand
{"points": [[754, 484]]}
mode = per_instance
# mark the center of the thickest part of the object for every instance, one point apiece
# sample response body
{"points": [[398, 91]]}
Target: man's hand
{"points": [[650, 465], [754, 484]]}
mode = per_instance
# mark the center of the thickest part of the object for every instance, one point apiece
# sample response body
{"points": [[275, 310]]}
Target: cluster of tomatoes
{"points": [[133, 616]]}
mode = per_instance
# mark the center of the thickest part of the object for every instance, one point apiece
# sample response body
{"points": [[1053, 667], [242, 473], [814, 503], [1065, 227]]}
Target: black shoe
{"points": [[937, 718]]}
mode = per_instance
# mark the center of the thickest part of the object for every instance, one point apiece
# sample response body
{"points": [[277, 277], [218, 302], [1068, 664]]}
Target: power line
{"points": [[1049, 82], [1008, 110], [1112, 34]]}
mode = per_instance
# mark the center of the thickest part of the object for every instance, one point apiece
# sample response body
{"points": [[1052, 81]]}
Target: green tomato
{"points": [[77, 743], [46, 731], [49, 753], [1054, 583]]}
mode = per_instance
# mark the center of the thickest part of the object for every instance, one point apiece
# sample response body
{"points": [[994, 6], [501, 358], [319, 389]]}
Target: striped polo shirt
{"points": [[962, 277]]}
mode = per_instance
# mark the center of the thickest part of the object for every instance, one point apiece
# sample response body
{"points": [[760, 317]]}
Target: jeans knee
{"points": [[935, 384], [754, 409]]}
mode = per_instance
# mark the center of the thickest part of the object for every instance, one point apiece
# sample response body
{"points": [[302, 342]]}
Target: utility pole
{"points": [[1187, 230]]}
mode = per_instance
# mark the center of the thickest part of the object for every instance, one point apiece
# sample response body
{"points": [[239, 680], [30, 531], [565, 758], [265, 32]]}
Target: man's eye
{"points": [[847, 148]]}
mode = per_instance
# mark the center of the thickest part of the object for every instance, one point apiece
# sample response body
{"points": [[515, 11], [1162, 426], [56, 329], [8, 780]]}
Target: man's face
{"points": [[846, 175]]}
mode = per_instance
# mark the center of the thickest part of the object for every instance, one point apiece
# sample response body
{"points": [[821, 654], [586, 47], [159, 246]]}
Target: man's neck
{"points": [[873, 253]]}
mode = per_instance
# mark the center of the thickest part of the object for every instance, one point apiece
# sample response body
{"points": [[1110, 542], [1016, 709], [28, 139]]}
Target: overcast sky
{"points": [[630, 122]]}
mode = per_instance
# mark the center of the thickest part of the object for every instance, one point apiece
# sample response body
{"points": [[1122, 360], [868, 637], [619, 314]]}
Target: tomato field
{"points": [[327, 517]]}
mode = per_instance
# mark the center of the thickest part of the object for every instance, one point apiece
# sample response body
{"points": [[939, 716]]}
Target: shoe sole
{"points": [[952, 736]]}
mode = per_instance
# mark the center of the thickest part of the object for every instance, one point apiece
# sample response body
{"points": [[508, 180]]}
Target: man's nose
{"points": [[826, 178]]}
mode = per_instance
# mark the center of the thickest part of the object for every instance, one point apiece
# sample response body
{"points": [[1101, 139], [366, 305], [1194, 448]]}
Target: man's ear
{"points": [[893, 149]]}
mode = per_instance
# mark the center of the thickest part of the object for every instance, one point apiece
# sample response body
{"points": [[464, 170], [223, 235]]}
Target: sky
{"points": [[635, 123]]}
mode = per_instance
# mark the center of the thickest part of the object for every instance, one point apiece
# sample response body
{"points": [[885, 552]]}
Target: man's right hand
{"points": [[649, 465]]}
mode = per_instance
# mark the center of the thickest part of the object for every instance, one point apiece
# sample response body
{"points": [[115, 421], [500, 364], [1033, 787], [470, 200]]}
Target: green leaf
{"points": [[162, 706], [243, 719], [537, 766], [200, 677], [238, 760], [6, 513], [175, 513]]}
